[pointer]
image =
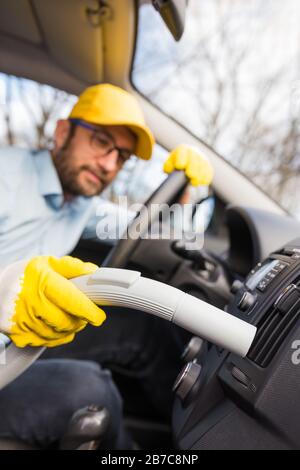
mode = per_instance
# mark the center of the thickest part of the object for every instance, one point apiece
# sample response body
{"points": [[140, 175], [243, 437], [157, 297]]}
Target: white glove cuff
{"points": [[10, 286]]}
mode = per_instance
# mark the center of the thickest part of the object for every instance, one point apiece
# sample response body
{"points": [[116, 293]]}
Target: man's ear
{"points": [[61, 133]]}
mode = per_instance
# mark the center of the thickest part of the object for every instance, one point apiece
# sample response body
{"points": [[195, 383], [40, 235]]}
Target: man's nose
{"points": [[109, 162]]}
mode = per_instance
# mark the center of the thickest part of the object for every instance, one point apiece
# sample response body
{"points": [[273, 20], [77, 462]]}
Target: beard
{"points": [[70, 176]]}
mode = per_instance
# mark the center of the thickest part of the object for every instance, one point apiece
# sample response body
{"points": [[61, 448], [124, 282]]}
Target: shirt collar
{"points": [[48, 180], [50, 186], [49, 183]]}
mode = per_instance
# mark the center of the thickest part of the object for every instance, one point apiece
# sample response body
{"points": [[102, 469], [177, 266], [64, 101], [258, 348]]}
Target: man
{"points": [[47, 199]]}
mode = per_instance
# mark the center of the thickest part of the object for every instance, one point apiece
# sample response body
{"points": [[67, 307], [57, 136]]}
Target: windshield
{"points": [[234, 81]]}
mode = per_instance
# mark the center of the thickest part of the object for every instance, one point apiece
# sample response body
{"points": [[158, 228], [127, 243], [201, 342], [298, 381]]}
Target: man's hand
{"points": [[196, 167], [40, 307]]}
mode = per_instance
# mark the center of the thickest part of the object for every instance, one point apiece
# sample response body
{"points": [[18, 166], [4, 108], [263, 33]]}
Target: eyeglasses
{"points": [[102, 142]]}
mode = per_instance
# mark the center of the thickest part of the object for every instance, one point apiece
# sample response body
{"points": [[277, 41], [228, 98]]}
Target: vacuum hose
{"points": [[125, 288]]}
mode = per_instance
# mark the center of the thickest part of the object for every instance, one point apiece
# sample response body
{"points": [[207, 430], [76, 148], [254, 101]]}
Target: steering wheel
{"points": [[14, 361], [167, 193]]}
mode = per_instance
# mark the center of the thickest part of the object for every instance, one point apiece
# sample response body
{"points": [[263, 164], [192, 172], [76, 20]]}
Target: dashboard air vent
{"points": [[274, 328]]}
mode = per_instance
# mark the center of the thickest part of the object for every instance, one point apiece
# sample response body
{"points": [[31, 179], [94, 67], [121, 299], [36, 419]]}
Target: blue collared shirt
{"points": [[34, 219]]}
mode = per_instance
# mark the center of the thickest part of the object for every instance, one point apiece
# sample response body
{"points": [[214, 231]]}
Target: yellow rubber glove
{"points": [[196, 167], [40, 307]]}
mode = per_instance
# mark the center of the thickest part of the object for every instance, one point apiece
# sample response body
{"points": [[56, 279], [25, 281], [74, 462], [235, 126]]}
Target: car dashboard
{"points": [[222, 401], [231, 402]]}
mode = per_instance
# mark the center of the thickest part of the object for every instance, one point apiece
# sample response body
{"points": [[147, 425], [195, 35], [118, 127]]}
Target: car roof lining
{"points": [[28, 61], [39, 40]]}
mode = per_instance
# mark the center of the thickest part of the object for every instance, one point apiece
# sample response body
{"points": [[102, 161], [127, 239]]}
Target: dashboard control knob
{"points": [[287, 298], [236, 286], [186, 380], [193, 349], [247, 300]]}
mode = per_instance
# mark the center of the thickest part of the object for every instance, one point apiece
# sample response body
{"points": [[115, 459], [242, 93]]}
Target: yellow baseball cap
{"points": [[109, 105]]}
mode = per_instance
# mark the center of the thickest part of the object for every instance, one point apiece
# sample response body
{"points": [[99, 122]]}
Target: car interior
{"points": [[249, 265]]}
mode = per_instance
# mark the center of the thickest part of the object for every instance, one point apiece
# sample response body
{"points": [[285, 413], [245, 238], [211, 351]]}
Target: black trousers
{"points": [[37, 406], [137, 345]]}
